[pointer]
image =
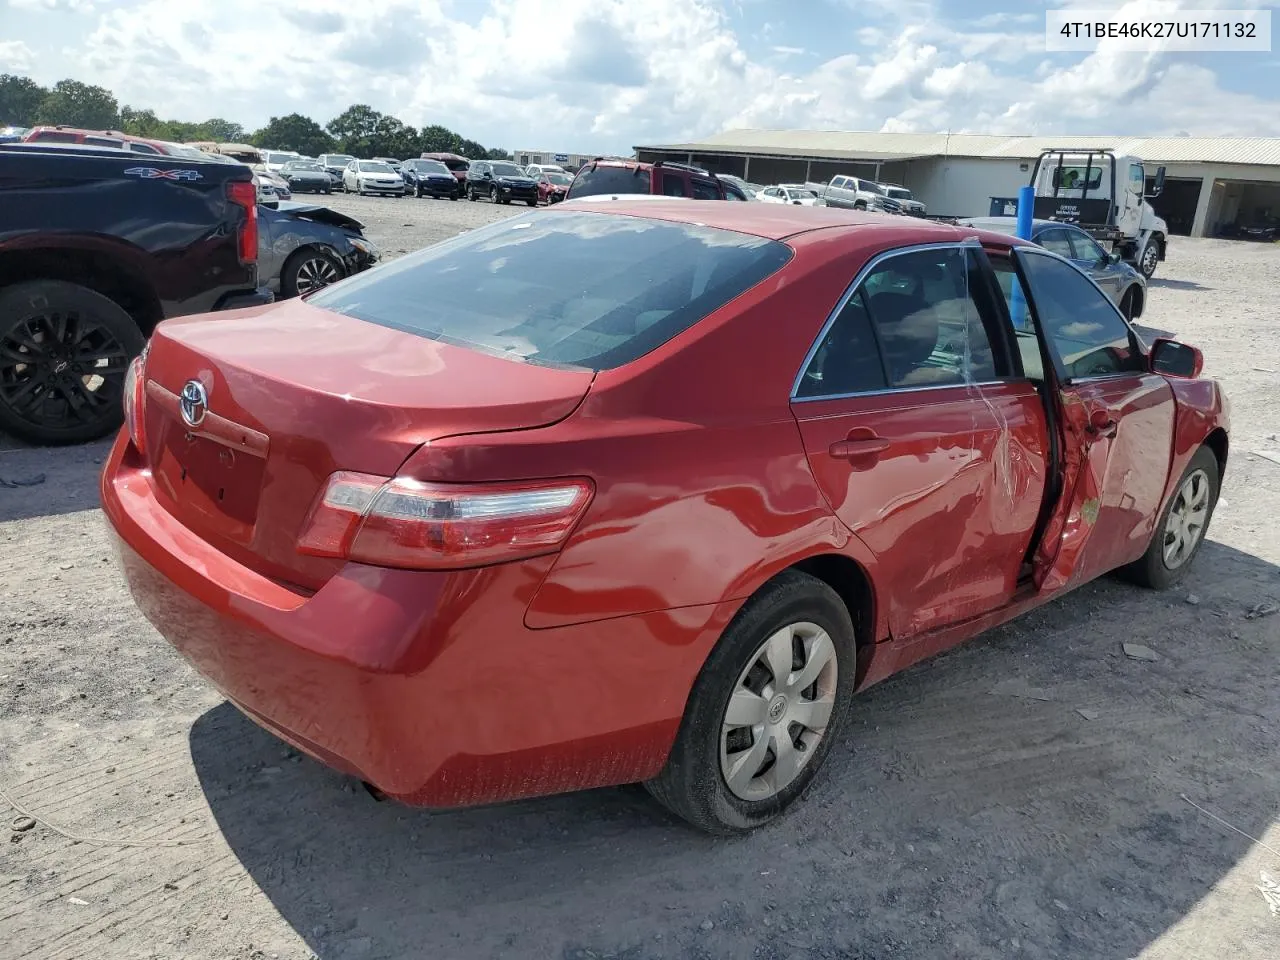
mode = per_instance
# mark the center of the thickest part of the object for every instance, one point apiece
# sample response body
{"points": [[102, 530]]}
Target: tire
{"points": [[1126, 304], [1149, 258], [325, 191], [39, 400], [532, 203], [1153, 568], [471, 194], [308, 270], [693, 783], [860, 205]]}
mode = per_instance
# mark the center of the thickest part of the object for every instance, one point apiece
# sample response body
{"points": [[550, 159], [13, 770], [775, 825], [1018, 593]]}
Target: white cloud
{"points": [[15, 56], [610, 74]]}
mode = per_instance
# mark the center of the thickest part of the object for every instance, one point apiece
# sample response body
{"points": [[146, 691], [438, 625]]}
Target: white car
{"points": [[536, 170], [371, 176], [274, 160], [796, 193]]}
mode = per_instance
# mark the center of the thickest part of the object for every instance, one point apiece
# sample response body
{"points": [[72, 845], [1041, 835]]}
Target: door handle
{"points": [[1102, 424], [857, 447]]}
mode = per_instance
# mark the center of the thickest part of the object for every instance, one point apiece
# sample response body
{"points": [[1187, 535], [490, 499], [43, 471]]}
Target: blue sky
{"points": [[605, 75]]}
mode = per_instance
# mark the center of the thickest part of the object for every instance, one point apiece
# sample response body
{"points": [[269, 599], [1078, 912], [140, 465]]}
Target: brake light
{"points": [[134, 396], [244, 194], [436, 526]]}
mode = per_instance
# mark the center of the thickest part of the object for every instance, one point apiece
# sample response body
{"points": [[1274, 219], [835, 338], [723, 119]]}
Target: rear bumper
{"points": [[256, 298], [427, 685]]}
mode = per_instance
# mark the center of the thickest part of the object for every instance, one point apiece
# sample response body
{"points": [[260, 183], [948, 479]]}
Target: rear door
{"points": [[674, 183], [918, 436], [1116, 424], [1088, 255]]}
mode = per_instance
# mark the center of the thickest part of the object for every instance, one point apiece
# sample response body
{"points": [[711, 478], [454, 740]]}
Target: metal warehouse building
{"points": [[1212, 183]]}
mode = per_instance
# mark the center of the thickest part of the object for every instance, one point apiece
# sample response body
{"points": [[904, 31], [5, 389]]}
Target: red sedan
{"points": [[643, 491], [553, 186]]}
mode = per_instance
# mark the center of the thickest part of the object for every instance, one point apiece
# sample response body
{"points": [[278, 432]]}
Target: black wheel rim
{"points": [[61, 370]]}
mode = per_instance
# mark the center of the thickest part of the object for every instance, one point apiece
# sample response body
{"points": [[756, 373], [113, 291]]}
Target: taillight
{"points": [[244, 194], [438, 526], [134, 396]]}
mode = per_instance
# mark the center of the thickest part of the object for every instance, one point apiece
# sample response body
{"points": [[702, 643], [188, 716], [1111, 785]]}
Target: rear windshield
{"points": [[561, 289], [609, 179]]}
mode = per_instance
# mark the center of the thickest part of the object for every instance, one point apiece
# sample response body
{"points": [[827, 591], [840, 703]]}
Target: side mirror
{"points": [[1114, 257], [1157, 188], [1175, 359]]}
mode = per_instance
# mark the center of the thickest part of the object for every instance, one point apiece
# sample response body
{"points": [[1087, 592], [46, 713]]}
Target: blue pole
{"points": [[1026, 205]]}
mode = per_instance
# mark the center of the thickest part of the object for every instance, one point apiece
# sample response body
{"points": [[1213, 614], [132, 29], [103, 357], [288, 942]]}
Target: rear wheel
{"points": [[64, 350], [764, 710], [471, 194], [308, 270], [1181, 528], [533, 202]]}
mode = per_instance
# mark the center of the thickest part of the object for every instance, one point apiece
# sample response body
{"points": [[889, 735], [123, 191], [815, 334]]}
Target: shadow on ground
{"points": [[47, 481], [954, 817], [1164, 283]]}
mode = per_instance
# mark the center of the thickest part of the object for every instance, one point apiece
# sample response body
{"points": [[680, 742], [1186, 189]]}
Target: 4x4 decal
{"points": [[154, 173]]}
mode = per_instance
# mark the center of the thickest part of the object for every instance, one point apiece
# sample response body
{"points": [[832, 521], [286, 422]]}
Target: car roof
{"points": [[771, 221], [1009, 225]]}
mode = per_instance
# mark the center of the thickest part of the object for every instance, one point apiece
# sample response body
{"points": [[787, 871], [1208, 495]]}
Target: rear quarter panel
{"points": [[1202, 408]]}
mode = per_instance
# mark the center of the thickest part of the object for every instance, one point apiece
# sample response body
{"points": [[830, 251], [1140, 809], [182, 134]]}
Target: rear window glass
{"points": [[573, 289], [605, 179]]}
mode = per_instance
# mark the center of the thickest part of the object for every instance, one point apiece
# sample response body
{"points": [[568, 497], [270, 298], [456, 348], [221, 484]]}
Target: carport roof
{"points": [[887, 147]]}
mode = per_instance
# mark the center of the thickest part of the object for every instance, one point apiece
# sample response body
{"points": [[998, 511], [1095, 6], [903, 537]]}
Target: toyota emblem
{"points": [[194, 403]]}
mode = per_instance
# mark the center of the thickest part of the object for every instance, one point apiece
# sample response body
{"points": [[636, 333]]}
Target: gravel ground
{"points": [[1028, 795]]}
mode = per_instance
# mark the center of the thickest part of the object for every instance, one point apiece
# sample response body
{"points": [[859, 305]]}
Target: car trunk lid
{"points": [[294, 393]]}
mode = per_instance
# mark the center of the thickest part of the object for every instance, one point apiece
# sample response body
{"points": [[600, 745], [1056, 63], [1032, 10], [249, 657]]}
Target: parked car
{"points": [[391, 162], [12, 134], [1121, 281], [536, 170], [303, 247], [276, 160], [118, 243], [751, 191], [793, 193], [458, 166], [552, 186], [574, 458], [272, 187], [430, 178], [618, 177], [306, 176], [1263, 228], [907, 203], [854, 193], [336, 164], [500, 181], [371, 176]]}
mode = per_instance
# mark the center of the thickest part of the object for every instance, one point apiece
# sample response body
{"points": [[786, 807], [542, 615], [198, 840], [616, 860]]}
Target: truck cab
{"points": [[1105, 194]]}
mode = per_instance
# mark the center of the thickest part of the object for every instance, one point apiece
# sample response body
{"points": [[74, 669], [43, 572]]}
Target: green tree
{"points": [[75, 104], [221, 131], [20, 98], [438, 139], [141, 123], [497, 153], [354, 129], [294, 132]]}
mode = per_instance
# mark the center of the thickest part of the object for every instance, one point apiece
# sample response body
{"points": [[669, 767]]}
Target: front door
{"points": [[1088, 255], [918, 440], [1116, 418]]}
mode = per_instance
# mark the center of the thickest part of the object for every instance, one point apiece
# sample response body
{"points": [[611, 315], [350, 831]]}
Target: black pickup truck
{"points": [[97, 246]]}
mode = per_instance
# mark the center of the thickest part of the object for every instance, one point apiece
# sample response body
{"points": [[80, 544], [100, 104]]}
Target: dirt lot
{"points": [[1024, 796]]}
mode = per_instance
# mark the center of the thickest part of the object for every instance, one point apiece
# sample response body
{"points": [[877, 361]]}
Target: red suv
{"points": [[96, 138], [603, 177]]}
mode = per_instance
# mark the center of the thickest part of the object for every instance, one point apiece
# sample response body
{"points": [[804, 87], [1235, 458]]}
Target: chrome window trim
{"points": [[963, 384], [845, 297]]}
